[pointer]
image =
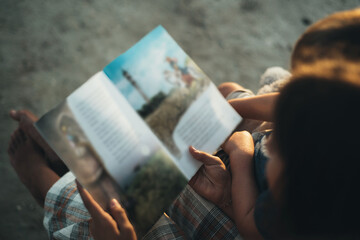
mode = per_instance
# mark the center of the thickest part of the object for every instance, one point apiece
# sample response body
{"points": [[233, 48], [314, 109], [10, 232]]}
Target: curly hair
{"points": [[317, 133]]}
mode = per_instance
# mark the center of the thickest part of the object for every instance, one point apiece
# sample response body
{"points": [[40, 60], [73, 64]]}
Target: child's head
{"points": [[317, 134], [330, 47], [317, 137]]}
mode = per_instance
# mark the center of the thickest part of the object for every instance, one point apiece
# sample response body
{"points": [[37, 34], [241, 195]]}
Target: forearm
{"points": [[244, 194], [257, 107]]}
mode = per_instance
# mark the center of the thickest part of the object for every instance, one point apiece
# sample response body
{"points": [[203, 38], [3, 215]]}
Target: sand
{"points": [[49, 48]]}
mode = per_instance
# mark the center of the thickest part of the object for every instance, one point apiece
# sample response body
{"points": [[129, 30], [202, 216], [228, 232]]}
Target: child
{"points": [[313, 164]]}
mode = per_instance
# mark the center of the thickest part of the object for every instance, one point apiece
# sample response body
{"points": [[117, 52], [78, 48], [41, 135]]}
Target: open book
{"points": [[125, 132]]}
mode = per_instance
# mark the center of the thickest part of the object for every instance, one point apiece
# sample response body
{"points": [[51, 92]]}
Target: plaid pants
{"points": [[189, 217]]}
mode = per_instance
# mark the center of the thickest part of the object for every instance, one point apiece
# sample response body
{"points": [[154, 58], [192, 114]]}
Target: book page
{"points": [[206, 124], [125, 133], [112, 152], [119, 135], [173, 96]]}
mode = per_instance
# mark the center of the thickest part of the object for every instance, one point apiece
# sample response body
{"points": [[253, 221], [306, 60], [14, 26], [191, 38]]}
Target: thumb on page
{"points": [[91, 205], [203, 157], [118, 213]]}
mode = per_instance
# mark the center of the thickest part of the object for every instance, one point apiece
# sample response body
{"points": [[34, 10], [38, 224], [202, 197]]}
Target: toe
{"points": [[14, 115], [26, 123], [26, 115]]}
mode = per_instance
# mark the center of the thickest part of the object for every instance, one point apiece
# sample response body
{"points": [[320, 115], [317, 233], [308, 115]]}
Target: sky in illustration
{"points": [[146, 63]]}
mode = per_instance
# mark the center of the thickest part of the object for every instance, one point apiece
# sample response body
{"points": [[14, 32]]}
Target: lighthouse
{"points": [[135, 85]]}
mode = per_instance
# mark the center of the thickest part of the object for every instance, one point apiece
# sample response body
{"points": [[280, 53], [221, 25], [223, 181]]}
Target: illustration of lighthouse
{"points": [[135, 85]]}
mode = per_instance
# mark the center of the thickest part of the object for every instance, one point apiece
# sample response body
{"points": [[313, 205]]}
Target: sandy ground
{"points": [[48, 48]]}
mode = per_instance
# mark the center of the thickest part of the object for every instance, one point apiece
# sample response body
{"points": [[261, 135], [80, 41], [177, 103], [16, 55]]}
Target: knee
{"points": [[227, 87]]}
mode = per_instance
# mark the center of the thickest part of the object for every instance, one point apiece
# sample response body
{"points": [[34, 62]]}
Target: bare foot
{"points": [[30, 165], [26, 121]]}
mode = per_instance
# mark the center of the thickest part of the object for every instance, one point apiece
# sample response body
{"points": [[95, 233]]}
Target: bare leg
{"points": [[247, 124], [228, 87], [30, 165], [26, 121]]}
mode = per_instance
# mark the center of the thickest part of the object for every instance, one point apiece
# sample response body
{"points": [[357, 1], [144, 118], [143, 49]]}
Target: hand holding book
{"points": [[103, 225], [212, 181]]}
